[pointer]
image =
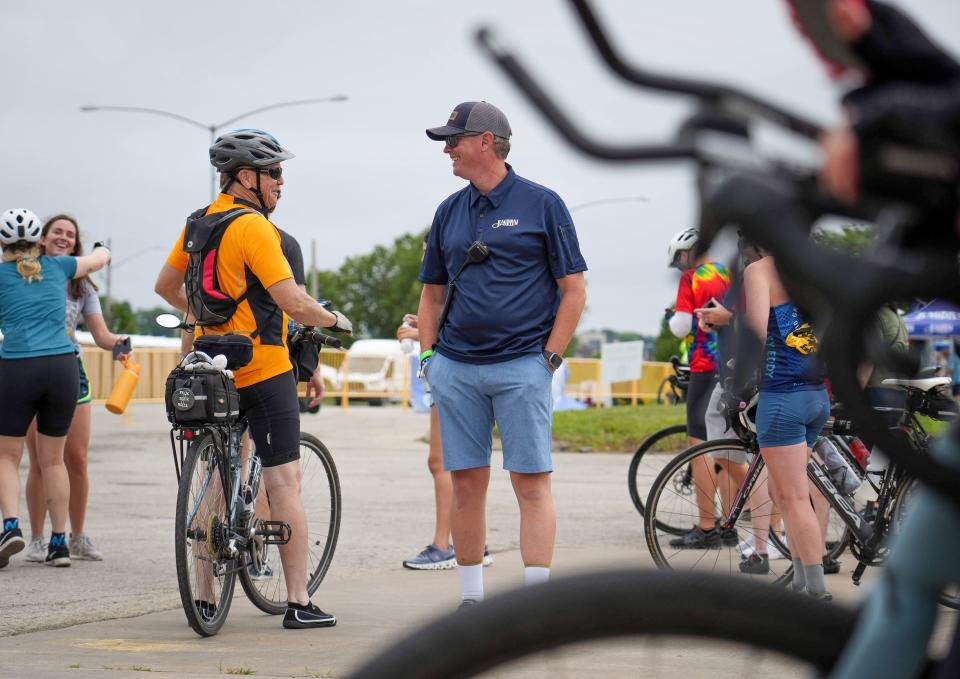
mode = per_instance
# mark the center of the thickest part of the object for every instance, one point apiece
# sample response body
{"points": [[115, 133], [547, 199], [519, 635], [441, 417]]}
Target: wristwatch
{"points": [[554, 360]]}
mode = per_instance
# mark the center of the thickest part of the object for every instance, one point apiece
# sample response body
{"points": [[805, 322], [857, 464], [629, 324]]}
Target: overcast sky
{"points": [[365, 172]]}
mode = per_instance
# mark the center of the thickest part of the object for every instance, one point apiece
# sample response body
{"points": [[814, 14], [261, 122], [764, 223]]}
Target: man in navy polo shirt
{"points": [[510, 316]]}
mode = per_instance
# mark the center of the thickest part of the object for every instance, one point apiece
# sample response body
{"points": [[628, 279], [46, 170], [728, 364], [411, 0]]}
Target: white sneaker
{"points": [[82, 547], [36, 550]]}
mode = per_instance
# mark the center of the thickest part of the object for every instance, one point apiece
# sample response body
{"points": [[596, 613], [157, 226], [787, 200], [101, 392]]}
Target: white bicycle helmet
{"points": [[20, 224], [685, 240]]}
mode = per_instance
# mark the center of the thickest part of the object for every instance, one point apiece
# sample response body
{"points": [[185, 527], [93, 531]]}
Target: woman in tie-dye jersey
{"points": [[702, 284]]}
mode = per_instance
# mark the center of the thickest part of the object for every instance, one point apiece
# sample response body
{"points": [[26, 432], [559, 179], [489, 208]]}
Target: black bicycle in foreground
{"points": [[223, 526]]}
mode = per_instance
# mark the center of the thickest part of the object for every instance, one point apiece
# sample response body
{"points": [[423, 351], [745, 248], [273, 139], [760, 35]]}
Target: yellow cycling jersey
{"points": [[250, 256]]}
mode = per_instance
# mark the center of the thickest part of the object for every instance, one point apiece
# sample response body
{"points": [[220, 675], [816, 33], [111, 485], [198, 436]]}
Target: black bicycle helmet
{"points": [[247, 147]]}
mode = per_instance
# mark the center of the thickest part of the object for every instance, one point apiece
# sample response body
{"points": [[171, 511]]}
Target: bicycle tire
{"points": [[650, 443], [188, 547], [322, 503], [618, 604], [667, 393], [664, 500]]}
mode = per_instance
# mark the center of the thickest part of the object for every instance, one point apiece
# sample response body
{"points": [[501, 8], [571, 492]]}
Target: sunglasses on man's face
{"points": [[454, 139], [274, 172]]}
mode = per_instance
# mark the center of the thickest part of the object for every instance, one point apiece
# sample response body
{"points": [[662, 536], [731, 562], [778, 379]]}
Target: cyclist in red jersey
{"points": [[703, 284]]}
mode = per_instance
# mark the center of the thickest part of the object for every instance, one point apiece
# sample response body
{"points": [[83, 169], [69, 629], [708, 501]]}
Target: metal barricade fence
{"points": [[584, 382]]}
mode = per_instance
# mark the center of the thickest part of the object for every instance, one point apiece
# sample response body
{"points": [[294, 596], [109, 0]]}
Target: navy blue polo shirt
{"points": [[504, 306]]}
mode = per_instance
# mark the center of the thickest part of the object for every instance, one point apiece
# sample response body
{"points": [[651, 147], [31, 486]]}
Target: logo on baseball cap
{"points": [[473, 116]]}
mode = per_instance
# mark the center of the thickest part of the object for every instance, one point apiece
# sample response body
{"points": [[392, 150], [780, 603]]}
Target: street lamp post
{"points": [[212, 128], [605, 201]]}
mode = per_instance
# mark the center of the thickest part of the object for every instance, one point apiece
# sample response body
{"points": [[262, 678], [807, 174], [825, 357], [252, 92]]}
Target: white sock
{"points": [[471, 581], [534, 575]]}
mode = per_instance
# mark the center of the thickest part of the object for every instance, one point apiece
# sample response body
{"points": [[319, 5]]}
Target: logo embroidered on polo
{"points": [[506, 222]]}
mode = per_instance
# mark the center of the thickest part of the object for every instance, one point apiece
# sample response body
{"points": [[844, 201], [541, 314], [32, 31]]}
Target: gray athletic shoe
{"points": [[432, 558], [36, 550], [82, 547]]}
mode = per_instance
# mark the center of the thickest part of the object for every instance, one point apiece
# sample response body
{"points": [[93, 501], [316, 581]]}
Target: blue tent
{"points": [[936, 319]]}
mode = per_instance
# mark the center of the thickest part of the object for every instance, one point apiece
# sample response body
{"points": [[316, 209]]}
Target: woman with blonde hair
{"points": [[38, 373], [61, 236]]}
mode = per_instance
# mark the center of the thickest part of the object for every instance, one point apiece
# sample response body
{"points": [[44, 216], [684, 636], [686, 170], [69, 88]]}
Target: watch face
{"points": [[555, 360]]}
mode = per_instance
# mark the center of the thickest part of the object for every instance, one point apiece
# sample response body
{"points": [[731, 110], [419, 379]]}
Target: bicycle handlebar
{"points": [[722, 96]]}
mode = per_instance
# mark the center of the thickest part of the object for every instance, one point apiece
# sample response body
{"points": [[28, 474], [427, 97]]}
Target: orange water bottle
{"points": [[123, 389]]}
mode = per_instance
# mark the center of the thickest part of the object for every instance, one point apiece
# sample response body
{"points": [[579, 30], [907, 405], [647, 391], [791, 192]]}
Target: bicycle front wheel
{"points": [[262, 577], [653, 453], [761, 628], [677, 498], [206, 578]]}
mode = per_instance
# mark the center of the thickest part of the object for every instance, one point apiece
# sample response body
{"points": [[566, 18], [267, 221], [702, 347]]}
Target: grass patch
{"points": [[618, 429], [74, 666], [240, 670], [141, 668]]}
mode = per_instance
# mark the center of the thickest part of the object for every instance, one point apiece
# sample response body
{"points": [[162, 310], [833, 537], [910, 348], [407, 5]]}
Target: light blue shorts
{"points": [[515, 394], [785, 419]]}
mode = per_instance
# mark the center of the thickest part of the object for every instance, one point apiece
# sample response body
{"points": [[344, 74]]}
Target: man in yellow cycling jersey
{"points": [[250, 266]]}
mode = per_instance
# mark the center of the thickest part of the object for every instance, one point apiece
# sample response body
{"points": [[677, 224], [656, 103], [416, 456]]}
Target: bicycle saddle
{"points": [[925, 384]]}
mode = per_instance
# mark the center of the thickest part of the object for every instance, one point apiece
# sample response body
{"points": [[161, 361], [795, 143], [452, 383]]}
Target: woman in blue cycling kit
{"points": [[792, 410], [38, 373]]}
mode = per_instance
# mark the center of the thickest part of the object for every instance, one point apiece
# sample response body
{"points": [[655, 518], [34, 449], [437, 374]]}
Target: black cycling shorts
{"points": [[698, 396], [273, 413], [44, 387]]}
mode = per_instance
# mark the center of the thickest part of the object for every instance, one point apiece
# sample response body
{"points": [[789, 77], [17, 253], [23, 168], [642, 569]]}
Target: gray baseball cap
{"points": [[473, 116]]}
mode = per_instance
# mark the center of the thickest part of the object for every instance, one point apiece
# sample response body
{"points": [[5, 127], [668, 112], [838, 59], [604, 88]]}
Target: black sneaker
{"points": [[757, 564], [830, 565], [58, 556], [11, 542], [697, 538], [304, 617], [729, 537], [206, 609]]}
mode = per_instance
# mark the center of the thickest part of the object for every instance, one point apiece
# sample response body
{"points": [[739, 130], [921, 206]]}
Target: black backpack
{"points": [[201, 240]]}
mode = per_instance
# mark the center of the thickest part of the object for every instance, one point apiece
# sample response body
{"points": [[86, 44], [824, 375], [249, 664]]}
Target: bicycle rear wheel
{"points": [[693, 607], [673, 501], [649, 459], [205, 578], [262, 576]]}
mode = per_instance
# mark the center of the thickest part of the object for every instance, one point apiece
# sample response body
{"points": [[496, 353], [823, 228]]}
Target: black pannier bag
{"points": [[201, 396], [238, 349]]}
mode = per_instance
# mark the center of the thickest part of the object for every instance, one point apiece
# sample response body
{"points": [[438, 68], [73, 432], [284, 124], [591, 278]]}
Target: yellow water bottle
{"points": [[123, 389]]}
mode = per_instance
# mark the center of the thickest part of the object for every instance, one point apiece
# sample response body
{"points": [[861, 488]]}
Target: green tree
{"points": [[375, 290], [850, 238], [119, 316]]}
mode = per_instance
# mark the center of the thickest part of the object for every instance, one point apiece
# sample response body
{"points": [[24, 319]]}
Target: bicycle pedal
{"points": [[274, 532]]}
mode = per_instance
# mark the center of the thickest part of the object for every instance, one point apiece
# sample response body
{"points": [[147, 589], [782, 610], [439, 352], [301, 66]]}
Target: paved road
{"points": [[122, 615]]}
